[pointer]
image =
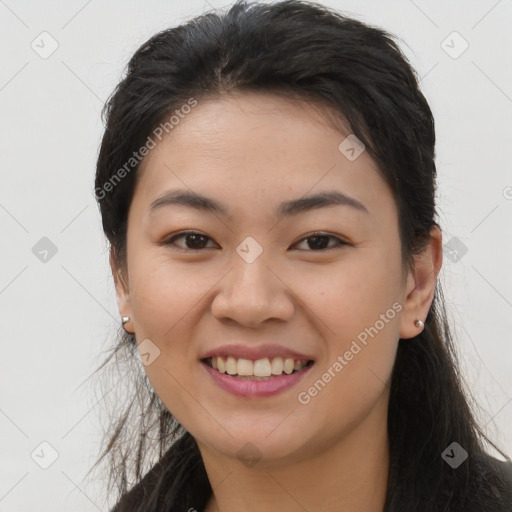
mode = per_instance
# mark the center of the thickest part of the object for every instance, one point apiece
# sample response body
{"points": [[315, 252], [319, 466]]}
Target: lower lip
{"points": [[255, 388]]}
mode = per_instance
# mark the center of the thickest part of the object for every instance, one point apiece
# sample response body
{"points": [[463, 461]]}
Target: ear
{"points": [[421, 284], [123, 300]]}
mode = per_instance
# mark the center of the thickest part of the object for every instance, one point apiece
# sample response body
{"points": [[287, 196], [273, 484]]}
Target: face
{"points": [[320, 281]]}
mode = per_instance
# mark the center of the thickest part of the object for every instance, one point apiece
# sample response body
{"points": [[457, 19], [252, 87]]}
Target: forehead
{"points": [[242, 123], [259, 144]]}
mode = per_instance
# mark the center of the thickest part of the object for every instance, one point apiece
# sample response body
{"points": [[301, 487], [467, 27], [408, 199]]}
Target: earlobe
{"points": [[123, 301], [125, 320], [421, 285]]}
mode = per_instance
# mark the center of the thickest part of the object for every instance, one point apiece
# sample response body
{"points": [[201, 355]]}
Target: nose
{"points": [[252, 293]]}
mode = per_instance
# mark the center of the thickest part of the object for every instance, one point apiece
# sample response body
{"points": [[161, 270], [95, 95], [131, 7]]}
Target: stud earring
{"points": [[124, 320], [419, 323]]}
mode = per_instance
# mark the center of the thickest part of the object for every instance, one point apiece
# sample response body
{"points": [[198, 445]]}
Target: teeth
{"points": [[259, 368], [262, 368], [231, 366], [277, 366], [245, 367], [288, 366]]}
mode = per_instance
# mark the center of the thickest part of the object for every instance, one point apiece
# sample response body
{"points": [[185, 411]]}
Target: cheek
{"points": [[165, 300], [164, 294], [163, 306], [357, 311], [348, 296]]}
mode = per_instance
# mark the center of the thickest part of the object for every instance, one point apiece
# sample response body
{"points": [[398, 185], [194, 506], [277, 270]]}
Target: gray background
{"points": [[57, 315]]}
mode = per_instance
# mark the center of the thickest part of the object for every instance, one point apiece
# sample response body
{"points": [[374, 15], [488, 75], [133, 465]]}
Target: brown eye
{"points": [[320, 242], [193, 240]]}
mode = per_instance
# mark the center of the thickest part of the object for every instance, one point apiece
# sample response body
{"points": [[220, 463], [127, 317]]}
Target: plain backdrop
{"points": [[58, 309]]}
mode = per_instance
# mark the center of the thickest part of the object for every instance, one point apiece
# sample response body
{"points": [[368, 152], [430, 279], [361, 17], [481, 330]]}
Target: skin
{"points": [[252, 151]]}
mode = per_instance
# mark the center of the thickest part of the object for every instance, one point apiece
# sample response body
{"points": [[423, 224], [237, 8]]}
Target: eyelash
{"points": [[339, 241]]}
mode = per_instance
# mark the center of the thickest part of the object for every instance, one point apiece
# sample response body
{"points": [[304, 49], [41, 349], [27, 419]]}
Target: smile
{"points": [[262, 369], [259, 378]]}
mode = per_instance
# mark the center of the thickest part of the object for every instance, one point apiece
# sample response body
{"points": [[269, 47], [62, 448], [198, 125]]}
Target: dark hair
{"points": [[305, 51]]}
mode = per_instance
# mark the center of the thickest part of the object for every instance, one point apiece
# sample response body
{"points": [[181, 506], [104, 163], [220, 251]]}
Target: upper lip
{"points": [[254, 352]]}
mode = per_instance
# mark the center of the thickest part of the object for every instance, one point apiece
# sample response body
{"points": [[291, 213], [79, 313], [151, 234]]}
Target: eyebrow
{"points": [[292, 207]]}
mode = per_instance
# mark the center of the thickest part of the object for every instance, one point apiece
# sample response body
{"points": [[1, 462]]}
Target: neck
{"points": [[350, 474]]}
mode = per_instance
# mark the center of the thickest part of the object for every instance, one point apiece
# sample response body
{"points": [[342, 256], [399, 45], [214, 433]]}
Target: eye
{"points": [[196, 241], [193, 240], [320, 241]]}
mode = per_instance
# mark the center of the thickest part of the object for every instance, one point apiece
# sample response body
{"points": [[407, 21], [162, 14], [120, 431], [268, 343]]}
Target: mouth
{"points": [[257, 370]]}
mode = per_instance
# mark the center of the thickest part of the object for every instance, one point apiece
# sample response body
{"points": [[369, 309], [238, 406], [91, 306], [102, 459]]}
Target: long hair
{"points": [[305, 51]]}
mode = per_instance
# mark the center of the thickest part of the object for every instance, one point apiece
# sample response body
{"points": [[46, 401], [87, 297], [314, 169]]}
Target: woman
{"points": [[266, 181]]}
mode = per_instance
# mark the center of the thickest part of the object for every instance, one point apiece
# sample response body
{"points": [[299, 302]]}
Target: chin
{"points": [[257, 447]]}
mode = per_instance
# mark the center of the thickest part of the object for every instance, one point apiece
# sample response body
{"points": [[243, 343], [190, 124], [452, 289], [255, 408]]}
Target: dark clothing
{"points": [[505, 468], [152, 493]]}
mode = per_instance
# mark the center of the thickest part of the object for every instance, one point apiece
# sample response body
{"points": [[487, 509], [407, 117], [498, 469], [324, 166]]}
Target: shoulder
{"points": [[173, 483], [496, 481], [505, 468]]}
